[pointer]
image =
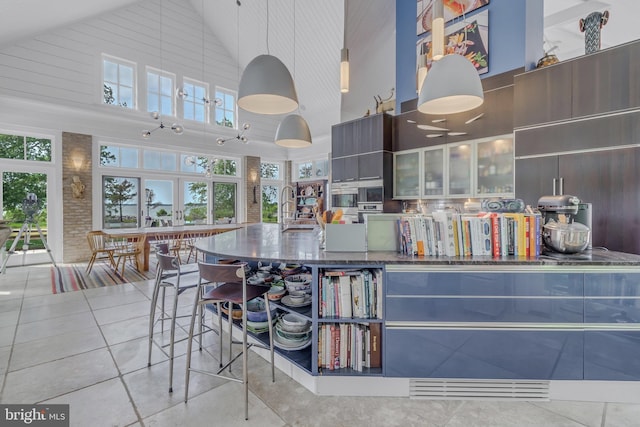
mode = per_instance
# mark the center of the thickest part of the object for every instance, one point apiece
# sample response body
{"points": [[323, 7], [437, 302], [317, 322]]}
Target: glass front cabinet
{"points": [[460, 159], [406, 174], [495, 167], [481, 168]]}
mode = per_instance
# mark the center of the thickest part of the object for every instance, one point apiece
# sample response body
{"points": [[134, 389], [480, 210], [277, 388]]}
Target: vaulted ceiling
{"points": [[307, 36]]}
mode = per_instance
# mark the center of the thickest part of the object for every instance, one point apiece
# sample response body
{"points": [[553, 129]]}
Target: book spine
{"points": [[495, 235], [335, 333], [375, 349]]}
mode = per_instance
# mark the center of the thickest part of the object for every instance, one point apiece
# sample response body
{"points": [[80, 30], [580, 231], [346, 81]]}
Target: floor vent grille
{"points": [[478, 389]]}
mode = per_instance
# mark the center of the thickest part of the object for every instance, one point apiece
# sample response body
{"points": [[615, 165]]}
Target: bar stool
{"points": [[170, 274], [231, 287]]}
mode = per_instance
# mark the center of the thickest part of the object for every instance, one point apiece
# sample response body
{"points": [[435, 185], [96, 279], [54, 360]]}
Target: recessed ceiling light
{"points": [[434, 135], [456, 133], [428, 127], [410, 121], [473, 119], [438, 120]]}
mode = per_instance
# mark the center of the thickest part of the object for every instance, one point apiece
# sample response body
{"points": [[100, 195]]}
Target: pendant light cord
{"points": [[344, 25], [268, 52]]}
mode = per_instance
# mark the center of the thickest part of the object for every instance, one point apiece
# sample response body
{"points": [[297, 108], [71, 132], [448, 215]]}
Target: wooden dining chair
{"points": [[101, 248], [129, 247]]}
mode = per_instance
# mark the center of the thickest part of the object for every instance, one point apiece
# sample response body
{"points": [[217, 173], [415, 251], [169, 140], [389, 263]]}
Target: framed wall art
{"points": [[452, 9], [469, 39]]}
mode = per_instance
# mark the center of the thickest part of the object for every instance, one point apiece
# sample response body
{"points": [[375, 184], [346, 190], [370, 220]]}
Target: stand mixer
{"points": [[566, 223]]}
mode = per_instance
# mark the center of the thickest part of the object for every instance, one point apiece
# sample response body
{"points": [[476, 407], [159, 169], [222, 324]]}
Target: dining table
{"points": [[150, 234]]}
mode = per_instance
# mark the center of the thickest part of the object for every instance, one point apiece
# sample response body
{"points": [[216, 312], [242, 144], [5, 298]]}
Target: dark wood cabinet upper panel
{"points": [[606, 131], [609, 181], [606, 81], [375, 133], [543, 96], [372, 133]]}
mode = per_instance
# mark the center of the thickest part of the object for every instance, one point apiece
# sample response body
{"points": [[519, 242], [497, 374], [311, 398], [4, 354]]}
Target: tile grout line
{"points": [[15, 334], [120, 375]]}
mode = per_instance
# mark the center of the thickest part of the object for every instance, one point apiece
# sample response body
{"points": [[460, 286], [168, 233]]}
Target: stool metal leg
{"points": [[173, 336], [152, 318]]}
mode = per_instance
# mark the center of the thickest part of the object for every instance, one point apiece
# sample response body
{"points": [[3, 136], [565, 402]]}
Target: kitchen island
{"points": [[452, 327]]}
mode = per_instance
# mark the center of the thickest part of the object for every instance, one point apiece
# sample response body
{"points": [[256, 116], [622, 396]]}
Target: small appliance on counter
{"points": [[566, 224]]}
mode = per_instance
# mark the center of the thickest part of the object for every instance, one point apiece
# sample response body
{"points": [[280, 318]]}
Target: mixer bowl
{"points": [[566, 238]]}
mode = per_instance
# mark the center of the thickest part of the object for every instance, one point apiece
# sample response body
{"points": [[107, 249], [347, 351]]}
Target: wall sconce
{"points": [[253, 176], [77, 161], [77, 187]]}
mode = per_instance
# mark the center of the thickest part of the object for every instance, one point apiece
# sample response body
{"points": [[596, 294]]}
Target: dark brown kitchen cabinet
{"points": [[358, 147], [596, 133], [606, 81], [372, 133], [370, 166], [607, 179], [543, 95], [536, 177], [344, 169]]}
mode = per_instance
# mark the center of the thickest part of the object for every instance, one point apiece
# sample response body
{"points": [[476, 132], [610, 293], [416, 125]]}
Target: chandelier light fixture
{"points": [[266, 86], [240, 137], [177, 128], [344, 56], [183, 94]]}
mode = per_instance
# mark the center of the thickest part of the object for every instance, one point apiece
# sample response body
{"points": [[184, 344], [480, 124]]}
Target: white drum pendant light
{"points": [[266, 87], [452, 86], [293, 132]]}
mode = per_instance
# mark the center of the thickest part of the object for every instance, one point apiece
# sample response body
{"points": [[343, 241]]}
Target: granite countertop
{"points": [[267, 243]]}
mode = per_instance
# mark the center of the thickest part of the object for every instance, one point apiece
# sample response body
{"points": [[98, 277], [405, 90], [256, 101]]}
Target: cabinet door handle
{"points": [[561, 189], [555, 182], [350, 179]]}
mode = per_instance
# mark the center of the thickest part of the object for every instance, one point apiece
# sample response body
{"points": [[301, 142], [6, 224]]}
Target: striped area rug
{"points": [[72, 277]]}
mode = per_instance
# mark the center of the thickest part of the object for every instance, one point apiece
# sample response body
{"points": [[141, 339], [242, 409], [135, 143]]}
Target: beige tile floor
{"points": [[89, 349]]}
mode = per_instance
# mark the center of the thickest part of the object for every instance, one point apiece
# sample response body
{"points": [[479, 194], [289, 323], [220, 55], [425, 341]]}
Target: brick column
{"points": [[76, 206]]}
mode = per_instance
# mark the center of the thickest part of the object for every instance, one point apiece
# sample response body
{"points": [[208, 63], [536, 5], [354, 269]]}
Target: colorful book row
{"points": [[349, 345], [350, 294], [484, 234]]}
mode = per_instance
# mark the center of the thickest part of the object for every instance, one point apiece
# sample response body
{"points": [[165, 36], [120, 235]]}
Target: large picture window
{"points": [[118, 83], [195, 100], [19, 147], [271, 179], [160, 93], [121, 206], [224, 202], [118, 157], [226, 108]]}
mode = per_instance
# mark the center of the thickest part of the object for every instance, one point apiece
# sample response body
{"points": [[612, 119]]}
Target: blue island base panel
{"points": [[612, 355], [538, 355]]}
